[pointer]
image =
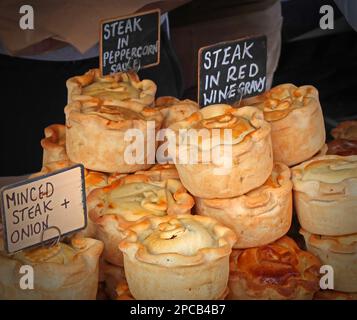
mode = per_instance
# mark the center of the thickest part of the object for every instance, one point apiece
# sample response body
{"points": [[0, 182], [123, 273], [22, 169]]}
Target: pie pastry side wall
{"points": [[77, 280], [327, 208], [259, 217]]}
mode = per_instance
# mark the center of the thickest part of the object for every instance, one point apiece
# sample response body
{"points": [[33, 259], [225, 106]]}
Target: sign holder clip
{"points": [[52, 243]]}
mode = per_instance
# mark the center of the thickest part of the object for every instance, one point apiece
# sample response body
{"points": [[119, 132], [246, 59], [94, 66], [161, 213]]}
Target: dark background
{"points": [[33, 93]]}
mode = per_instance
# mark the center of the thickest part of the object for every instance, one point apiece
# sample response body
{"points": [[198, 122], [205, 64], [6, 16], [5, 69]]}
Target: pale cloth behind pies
{"points": [[345, 130], [325, 194], [61, 272], [54, 144], [259, 217], [95, 135], [251, 157], [340, 253], [278, 271], [174, 110], [130, 199], [175, 258], [297, 124], [120, 89]]}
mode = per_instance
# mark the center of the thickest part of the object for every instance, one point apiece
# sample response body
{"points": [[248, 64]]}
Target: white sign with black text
{"points": [[36, 210]]}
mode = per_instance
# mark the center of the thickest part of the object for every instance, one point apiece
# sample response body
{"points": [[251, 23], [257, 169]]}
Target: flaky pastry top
{"points": [[243, 124], [181, 240], [136, 196], [121, 89], [279, 101], [329, 169], [111, 116], [281, 266]]}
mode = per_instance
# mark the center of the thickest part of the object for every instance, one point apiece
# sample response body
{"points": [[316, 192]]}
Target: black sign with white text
{"points": [[228, 69], [133, 40]]}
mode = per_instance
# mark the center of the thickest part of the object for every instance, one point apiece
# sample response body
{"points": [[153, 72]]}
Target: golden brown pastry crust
{"points": [[146, 89], [95, 135], [342, 147], [161, 172], [175, 258], [259, 217], [340, 252], [251, 156], [325, 194], [113, 215], [278, 271], [334, 295], [75, 278], [345, 130], [297, 124], [174, 110], [54, 144], [123, 292]]}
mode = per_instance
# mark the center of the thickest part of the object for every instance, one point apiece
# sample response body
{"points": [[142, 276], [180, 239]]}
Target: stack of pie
{"points": [[229, 166], [325, 193]]}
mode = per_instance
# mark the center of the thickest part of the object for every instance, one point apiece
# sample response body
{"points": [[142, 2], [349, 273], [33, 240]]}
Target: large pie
{"points": [[177, 257], [297, 124], [111, 138], [223, 152], [129, 199]]}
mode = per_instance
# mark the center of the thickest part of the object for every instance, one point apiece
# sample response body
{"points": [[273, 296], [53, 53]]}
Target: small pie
{"points": [[259, 217], [128, 200], [101, 136], [61, 272], [345, 130], [223, 152], [54, 144], [177, 257], [297, 124], [325, 195], [277, 271], [174, 110], [340, 253], [120, 89]]}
